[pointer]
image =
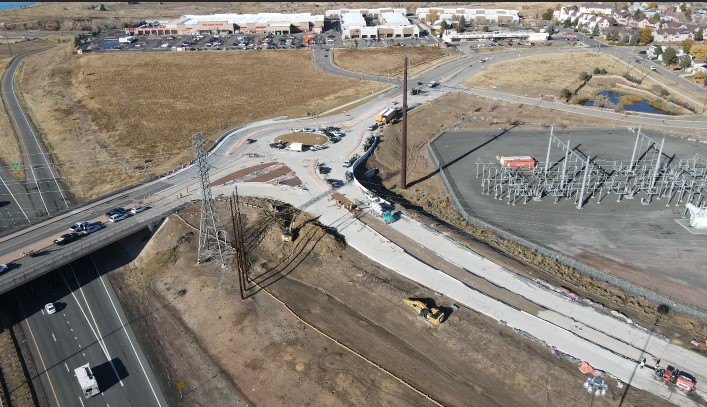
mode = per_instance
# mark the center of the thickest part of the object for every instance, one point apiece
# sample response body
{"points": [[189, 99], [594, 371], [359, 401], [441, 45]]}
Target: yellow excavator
{"points": [[432, 314]]}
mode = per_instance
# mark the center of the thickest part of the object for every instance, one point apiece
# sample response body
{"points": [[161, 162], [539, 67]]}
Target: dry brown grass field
{"points": [[542, 74], [389, 61], [104, 115], [9, 147]]}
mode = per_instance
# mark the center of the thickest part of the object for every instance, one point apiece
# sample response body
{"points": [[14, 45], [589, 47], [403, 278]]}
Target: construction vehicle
{"points": [[677, 377], [286, 234], [431, 314], [387, 115], [415, 91]]}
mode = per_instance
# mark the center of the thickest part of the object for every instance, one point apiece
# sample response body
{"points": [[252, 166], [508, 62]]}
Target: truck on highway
{"points": [[87, 381], [433, 84]]}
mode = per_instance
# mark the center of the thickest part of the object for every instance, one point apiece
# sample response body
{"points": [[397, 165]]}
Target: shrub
{"points": [[627, 100], [596, 71], [566, 93]]}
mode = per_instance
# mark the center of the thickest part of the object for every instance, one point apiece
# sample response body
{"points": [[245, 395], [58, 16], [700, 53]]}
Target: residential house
{"points": [[597, 8], [564, 13], [672, 35], [648, 23]]}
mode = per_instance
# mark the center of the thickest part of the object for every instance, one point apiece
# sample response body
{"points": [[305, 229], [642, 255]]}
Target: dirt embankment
{"points": [[324, 326], [427, 200], [389, 61], [110, 120]]}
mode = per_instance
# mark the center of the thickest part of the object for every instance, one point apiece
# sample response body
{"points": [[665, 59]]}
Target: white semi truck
{"points": [[87, 381]]}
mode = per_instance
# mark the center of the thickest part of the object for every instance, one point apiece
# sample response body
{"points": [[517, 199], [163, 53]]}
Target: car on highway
{"points": [[66, 238], [250, 141], [93, 227], [117, 217], [3, 268], [79, 226], [114, 211], [50, 308], [138, 209], [652, 68]]}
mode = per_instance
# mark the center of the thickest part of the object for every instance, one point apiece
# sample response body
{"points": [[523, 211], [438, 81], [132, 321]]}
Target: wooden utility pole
{"points": [[404, 141], [238, 242]]}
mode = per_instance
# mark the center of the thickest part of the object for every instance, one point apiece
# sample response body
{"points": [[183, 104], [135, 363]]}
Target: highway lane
{"points": [[14, 202], [45, 191], [89, 327]]}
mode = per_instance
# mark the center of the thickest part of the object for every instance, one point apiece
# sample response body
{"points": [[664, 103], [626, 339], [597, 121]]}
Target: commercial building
{"points": [[385, 24], [471, 15], [368, 12], [276, 23], [451, 36]]}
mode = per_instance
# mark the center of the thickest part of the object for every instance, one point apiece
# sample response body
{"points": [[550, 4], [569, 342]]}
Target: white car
{"points": [[138, 209], [50, 308], [652, 68], [3, 268], [116, 217]]}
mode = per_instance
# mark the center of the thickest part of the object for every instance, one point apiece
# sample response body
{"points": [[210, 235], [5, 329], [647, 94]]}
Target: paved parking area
{"points": [[627, 238]]}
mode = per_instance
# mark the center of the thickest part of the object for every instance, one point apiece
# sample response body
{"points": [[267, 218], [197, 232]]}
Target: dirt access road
{"points": [[329, 328]]}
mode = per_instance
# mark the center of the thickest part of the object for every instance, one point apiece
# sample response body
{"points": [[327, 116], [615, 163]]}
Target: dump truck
{"points": [[518, 161], [678, 377], [87, 381], [431, 314], [386, 115]]}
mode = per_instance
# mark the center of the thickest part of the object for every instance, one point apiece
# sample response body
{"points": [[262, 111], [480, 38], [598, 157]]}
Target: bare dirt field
{"points": [[324, 326], [389, 61], [129, 116], [427, 200], [309, 139]]}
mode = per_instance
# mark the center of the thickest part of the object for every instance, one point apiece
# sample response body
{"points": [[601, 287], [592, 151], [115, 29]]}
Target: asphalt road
{"points": [[45, 193], [88, 327]]}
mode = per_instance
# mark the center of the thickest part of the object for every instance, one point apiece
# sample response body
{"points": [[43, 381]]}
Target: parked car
{"points": [[66, 238], [3, 268], [50, 308], [250, 141], [652, 68], [138, 209]]}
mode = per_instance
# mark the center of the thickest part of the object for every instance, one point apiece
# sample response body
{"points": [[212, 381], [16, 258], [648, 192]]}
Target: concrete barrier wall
{"points": [[360, 160], [583, 268]]}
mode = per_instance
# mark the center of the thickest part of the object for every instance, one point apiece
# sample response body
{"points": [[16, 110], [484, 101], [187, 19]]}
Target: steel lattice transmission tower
{"points": [[212, 239]]}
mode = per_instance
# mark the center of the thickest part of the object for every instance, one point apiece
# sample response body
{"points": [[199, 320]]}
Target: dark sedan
{"points": [[67, 238]]}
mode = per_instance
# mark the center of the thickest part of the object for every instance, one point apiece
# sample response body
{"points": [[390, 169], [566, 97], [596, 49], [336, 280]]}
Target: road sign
{"points": [[15, 165]]}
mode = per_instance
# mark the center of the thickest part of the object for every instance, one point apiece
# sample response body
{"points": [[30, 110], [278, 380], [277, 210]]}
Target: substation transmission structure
{"points": [[212, 238], [648, 174]]}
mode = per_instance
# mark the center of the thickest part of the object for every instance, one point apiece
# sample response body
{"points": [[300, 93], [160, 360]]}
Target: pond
{"points": [[641, 106]]}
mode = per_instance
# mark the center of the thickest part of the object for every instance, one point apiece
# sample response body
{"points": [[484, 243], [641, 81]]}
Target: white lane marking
{"points": [[98, 339], [53, 336], [41, 150], [100, 277], [67, 367], [15, 199], [81, 401]]}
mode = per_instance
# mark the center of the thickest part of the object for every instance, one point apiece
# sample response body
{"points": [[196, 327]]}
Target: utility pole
{"points": [[404, 141], [238, 243]]}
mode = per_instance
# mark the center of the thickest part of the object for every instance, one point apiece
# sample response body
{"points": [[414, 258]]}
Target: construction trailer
{"points": [[87, 381], [343, 201], [518, 161], [295, 147]]}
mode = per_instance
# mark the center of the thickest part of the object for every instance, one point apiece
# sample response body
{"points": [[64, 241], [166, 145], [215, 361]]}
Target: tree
{"points": [[655, 17], [658, 50], [575, 22], [567, 22], [652, 5], [687, 44], [638, 14], [635, 38], [699, 35], [625, 39], [669, 56], [443, 26], [461, 24], [645, 35], [699, 52], [595, 30], [431, 17], [584, 76], [596, 70], [547, 15], [566, 93], [485, 28], [551, 29], [685, 61]]}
